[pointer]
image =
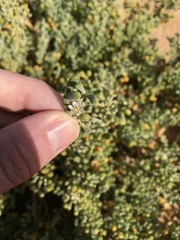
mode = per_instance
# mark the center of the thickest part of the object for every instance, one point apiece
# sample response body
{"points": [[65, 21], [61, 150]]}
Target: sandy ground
{"points": [[163, 31], [167, 30]]}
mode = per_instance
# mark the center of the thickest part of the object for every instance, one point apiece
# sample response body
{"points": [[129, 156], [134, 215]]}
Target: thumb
{"points": [[29, 144]]}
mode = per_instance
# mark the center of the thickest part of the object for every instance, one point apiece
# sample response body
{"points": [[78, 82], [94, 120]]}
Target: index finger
{"points": [[18, 92]]}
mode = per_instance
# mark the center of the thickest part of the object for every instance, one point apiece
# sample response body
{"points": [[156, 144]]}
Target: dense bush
{"points": [[121, 181]]}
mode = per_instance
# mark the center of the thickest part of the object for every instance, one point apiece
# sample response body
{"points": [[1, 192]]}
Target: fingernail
{"points": [[61, 133]]}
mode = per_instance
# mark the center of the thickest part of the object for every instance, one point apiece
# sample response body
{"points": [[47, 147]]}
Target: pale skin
{"points": [[34, 127]]}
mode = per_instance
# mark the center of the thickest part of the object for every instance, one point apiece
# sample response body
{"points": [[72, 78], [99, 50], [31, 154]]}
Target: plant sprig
{"points": [[76, 100]]}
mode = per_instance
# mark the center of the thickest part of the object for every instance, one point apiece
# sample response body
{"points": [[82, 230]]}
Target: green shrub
{"points": [[122, 180]]}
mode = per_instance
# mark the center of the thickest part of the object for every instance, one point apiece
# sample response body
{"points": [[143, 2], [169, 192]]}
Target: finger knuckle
{"points": [[17, 168]]}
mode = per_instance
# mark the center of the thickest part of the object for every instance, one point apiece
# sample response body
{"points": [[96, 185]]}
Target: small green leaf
{"points": [[122, 119], [92, 98], [74, 78], [79, 86], [85, 128], [68, 90], [72, 83], [73, 95], [95, 120]]}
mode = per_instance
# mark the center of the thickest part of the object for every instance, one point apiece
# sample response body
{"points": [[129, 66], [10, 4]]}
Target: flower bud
{"points": [[84, 117]]}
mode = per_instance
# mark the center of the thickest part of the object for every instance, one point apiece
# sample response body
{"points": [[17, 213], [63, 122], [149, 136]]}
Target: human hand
{"points": [[34, 127]]}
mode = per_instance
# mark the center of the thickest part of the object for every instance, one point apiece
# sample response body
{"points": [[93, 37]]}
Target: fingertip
{"points": [[62, 132]]}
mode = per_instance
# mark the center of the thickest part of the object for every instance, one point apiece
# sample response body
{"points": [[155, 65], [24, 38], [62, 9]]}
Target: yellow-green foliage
{"points": [[122, 180], [14, 37]]}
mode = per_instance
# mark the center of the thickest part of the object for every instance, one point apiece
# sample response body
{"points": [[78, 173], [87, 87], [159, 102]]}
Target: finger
{"points": [[29, 144], [7, 118], [20, 92]]}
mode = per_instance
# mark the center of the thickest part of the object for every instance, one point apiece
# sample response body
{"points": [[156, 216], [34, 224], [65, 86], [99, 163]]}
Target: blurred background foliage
{"points": [[121, 181]]}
